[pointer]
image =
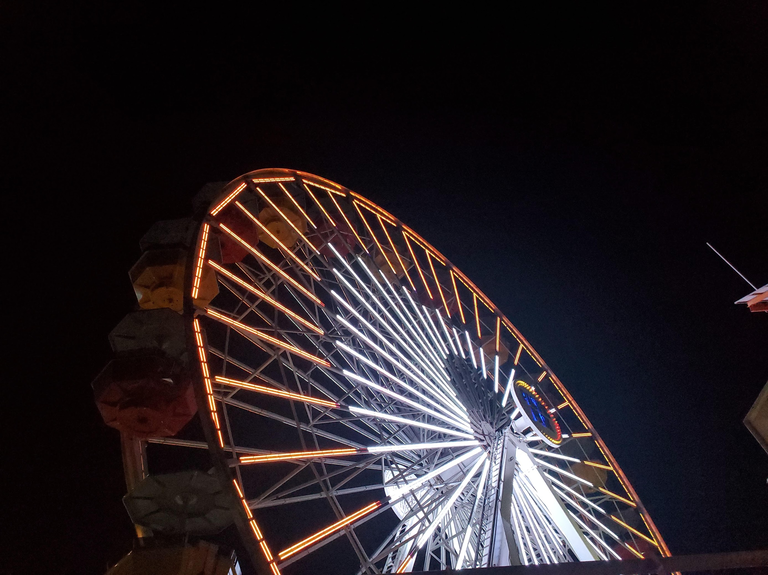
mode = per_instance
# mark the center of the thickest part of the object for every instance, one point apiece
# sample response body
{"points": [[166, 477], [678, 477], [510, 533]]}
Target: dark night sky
{"points": [[572, 164]]}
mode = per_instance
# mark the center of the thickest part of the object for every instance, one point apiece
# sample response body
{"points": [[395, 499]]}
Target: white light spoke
{"points": [[414, 371], [420, 446], [469, 350], [458, 343], [409, 422], [562, 471], [451, 417], [555, 455], [400, 491], [449, 504], [413, 376]]}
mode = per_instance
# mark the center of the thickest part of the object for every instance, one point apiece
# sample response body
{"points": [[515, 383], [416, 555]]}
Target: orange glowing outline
{"points": [[256, 531], [199, 262], [437, 283], [458, 299], [542, 376], [273, 391], [264, 228], [375, 239], [286, 219], [228, 199], [619, 497], [327, 189], [349, 224], [328, 530], [319, 205], [266, 337], [635, 531], [207, 379], [394, 249], [424, 244], [477, 315], [265, 297], [416, 263], [375, 208], [600, 465], [298, 207], [268, 180], [517, 355], [297, 455], [271, 265], [498, 332]]}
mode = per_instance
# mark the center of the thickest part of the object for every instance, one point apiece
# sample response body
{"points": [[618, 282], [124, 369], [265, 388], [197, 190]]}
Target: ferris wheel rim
{"points": [[192, 312]]}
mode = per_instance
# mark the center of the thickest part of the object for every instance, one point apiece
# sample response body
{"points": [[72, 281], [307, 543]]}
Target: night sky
{"points": [[572, 164]]}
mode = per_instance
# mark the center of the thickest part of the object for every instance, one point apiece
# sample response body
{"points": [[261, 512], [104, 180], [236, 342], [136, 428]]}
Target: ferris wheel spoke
{"points": [[262, 296], [398, 332], [366, 325], [318, 482], [448, 416], [386, 325], [264, 260], [539, 507], [330, 533], [444, 509]]}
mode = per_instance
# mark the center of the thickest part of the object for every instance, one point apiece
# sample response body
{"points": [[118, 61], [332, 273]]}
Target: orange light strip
{"points": [[581, 434], [290, 252], [633, 530], [375, 208], [298, 207], [375, 239], [286, 219], [562, 405], [327, 189], [437, 283], [619, 497], [201, 354], [600, 465], [297, 455], [268, 180], [424, 244], [517, 355], [543, 375], [271, 265], [199, 262], [416, 263], [394, 249], [267, 338], [349, 224], [319, 205], [274, 391], [265, 297], [229, 198], [328, 530], [477, 315], [498, 332], [458, 300], [256, 531]]}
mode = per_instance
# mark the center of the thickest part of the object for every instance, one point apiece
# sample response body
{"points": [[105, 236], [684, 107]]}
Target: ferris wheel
{"points": [[367, 407]]}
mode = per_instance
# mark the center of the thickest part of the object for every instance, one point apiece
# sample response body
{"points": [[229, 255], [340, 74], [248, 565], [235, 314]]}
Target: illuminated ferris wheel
{"points": [[367, 406]]}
